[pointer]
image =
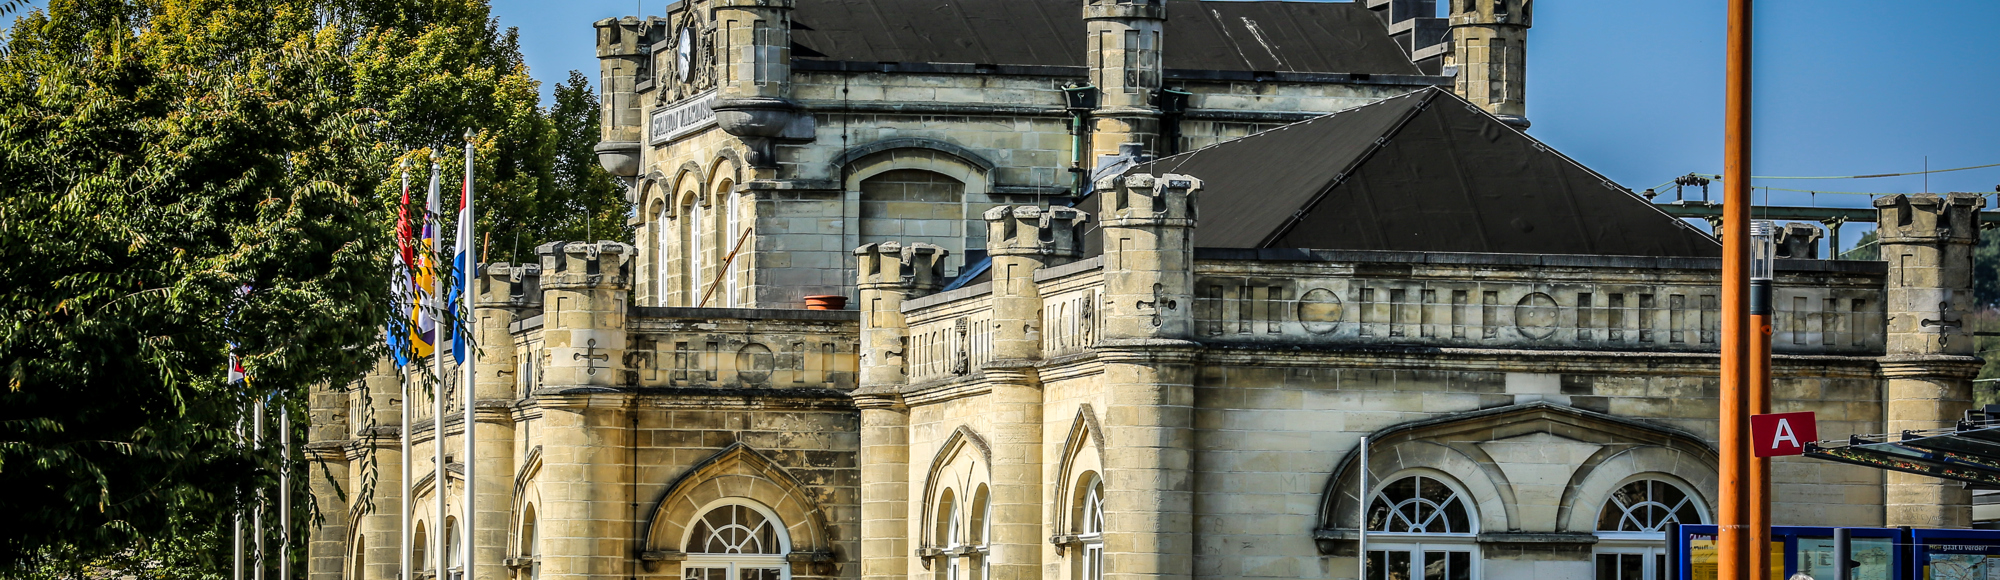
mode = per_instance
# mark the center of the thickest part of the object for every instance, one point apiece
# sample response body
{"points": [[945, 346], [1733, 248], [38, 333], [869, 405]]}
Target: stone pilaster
{"points": [[326, 480], [1149, 371], [1927, 240], [889, 273], [503, 290], [1490, 49], [1124, 43]]}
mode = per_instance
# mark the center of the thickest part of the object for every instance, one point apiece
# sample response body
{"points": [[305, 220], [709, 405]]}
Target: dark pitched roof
{"points": [[1322, 37], [1425, 171]]}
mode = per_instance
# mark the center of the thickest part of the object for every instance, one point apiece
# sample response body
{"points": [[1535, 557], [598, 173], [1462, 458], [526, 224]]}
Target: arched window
{"points": [[1629, 525], [726, 244], [914, 205], [736, 541], [451, 555], [419, 548], [663, 237], [946, 567], [980, 530], [1647, 505], [1421, 527], [1088, 563], [692, 234], [531, 563], [1418, 505]]}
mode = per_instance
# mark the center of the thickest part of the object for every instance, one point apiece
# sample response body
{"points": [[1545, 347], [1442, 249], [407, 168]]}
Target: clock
{"points": [[684, 54]]}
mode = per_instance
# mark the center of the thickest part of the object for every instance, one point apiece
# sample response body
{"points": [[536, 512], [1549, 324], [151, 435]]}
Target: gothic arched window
{"points": [[1647, 505], [736, 541], [1419, 505], [1089, 563]]}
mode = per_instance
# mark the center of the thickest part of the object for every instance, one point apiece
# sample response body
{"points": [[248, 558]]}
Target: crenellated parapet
{"points": [[890, 273], [584, 288], [1023, 240], [1148, 224]]}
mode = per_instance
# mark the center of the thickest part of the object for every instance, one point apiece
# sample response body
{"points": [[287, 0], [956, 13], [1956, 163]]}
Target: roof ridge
{"points": [[1267, 132]]}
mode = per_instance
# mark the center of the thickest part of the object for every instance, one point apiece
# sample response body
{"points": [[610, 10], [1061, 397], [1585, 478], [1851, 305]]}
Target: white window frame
{"points": [[736, 562], [1649, 544], [728, 244], [694, 249], [1090, 535], [1419, 543], [662, 234]]}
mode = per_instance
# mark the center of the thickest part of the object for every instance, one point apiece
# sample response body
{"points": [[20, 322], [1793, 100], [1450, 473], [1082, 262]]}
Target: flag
{"points": [[462, 266], [236, 372], [401, 301], [423, 333]]}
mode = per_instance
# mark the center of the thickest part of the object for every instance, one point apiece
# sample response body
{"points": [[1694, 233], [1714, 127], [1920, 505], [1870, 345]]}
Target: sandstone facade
{"points": [[1107, 400]]}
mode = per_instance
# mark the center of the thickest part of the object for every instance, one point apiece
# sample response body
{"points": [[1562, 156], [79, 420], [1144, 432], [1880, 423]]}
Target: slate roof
{"points": [[1424, 172], [1319, 37]]}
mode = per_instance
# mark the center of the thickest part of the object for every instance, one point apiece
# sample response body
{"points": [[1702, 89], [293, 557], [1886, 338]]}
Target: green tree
{"points": [[158, 158], [159, 155]]}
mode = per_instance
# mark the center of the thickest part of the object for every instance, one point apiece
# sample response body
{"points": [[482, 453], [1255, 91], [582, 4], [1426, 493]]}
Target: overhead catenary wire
{"points": [[1869, 176]]}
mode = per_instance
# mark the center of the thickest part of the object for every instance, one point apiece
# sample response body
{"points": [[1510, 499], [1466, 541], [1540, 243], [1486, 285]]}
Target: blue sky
{"points": [[1633, 88]]}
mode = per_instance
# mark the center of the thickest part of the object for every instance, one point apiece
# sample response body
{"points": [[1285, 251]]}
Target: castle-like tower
{"points": [[1169, 371], [1490, 52]]}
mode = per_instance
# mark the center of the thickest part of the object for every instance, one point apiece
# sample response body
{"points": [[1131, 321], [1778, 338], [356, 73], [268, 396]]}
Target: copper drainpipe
{"points": [[1733, 513]]}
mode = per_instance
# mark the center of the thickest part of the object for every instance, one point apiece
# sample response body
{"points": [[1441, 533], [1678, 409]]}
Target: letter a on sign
{"points": [[1782, 433]]}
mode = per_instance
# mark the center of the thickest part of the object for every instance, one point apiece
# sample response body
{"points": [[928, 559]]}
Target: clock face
{"points": [[684, 52]]}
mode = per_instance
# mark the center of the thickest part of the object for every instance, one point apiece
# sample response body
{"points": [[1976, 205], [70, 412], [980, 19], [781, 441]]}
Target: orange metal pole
{"points": [[1733, 511], [1759, 480]]}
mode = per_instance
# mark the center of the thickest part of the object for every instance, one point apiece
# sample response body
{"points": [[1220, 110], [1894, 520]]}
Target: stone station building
{"points": [[1162, 369]]}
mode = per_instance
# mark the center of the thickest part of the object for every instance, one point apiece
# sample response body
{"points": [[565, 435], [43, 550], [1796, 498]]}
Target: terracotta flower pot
{"points": [[826, 302]]}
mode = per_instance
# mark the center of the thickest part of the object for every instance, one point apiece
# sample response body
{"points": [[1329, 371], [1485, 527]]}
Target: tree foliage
{"points": [[157, 158]]}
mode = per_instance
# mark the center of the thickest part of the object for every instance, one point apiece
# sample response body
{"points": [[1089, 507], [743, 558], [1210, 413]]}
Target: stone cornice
{"points": [[1539, 361], [1932, 366]]}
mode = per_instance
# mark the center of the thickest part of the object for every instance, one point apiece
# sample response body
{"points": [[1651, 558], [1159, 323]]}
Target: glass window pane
{"points": [[1433, 490], [1375, 569], [1456, 517], [1399, 566], [1433, 565], [1461, 566], [1660, 567], [1631, 567], [1402, 489], [757, 574], [1607, 567], [1378, 515]]}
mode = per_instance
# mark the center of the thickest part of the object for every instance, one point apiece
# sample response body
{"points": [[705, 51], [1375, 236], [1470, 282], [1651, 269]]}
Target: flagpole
{"points": [[466, 386], [236, 568], [257, 517], [285, 493], [438, 484], [403, 380]]}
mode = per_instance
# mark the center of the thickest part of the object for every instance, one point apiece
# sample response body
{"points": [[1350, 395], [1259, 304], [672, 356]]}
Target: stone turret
{"points": [[1490, 51], [755, 56], [1149, 369], [1148, 225], [1124, 42], [583, 298], [1023, 239], [502, 293], [1927, 240], [889, 273], [623, 48]]}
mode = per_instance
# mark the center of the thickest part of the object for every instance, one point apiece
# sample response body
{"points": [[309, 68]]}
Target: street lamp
{"points": [[1763, 255]]}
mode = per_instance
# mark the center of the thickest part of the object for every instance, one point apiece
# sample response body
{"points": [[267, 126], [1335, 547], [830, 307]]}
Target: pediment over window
{"points": [[1537, 468]]}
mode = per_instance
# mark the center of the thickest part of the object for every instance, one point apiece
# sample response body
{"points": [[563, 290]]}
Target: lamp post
{"points": [[1732, 513], [1763, 256]]}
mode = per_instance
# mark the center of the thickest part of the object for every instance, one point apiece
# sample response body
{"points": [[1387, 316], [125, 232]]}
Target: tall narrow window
{"points": [[731, 234], [451, 556], [736, 542], [420, 548], [945, 567], [531, 561], [982, 523], [1088, 561], [360, 568], [661, 255], [694, 253]]}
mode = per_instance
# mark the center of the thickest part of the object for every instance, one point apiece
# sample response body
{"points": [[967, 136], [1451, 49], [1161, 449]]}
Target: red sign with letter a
{"points": [[1782, 433]]}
